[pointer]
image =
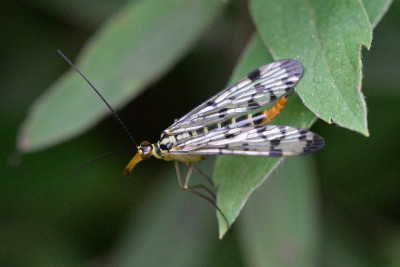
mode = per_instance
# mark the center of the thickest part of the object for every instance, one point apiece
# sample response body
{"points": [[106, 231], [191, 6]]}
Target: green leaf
{"points": [[289, 221], [376, 9], [132, 50], [290, 35], [326, 37], [238, 177]]}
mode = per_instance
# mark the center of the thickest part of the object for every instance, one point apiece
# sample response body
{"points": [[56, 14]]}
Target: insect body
{"points": [[218, 126], [223, 125]]}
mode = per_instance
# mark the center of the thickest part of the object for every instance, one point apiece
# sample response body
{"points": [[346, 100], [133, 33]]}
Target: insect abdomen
{"points": [[266, 116], [260, 118]]}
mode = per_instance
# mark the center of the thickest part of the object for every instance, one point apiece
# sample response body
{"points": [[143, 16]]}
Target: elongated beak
{"points": [[136, 159]]}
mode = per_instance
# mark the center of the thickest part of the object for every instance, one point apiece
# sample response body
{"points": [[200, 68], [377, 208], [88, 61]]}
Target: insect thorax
{"points": [[162, 147]]}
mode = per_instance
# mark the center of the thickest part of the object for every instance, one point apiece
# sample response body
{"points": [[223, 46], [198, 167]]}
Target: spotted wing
{"points": [[260, 87], [260, 140]]}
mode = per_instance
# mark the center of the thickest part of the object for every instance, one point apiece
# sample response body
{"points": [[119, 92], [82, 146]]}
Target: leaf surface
{"points": [[326, 37], [129, 52]]}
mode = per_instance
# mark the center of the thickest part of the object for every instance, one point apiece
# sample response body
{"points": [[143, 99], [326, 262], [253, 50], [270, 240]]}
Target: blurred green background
{"points": [[99, 217]]}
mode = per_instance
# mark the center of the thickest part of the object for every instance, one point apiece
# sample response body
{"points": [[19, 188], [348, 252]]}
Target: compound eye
{"points": [[146, 148]]}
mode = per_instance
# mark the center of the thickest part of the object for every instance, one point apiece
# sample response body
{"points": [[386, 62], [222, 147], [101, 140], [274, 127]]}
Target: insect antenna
{"points": [[102, 98], [95, 160]]}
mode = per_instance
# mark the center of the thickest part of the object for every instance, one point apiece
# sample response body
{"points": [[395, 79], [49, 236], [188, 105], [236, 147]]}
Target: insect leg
{"points": [[206, 189], [189, 174], [202, 174], [192, 190], [178, 174]]}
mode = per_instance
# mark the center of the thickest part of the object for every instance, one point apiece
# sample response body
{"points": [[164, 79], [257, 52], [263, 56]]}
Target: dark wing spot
{"points": [[223, 112], [242, 121], [303, 134], [272, 96], [287, 82], [275, 142], [275, 153], [282, 129], [260, 129], [258, 117], [199, 131], [241, 118], [318, 142], [308, 147], [285, 63], [229, 136], [314, 145], [253, 104], [254, 75], [212, 127]]}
